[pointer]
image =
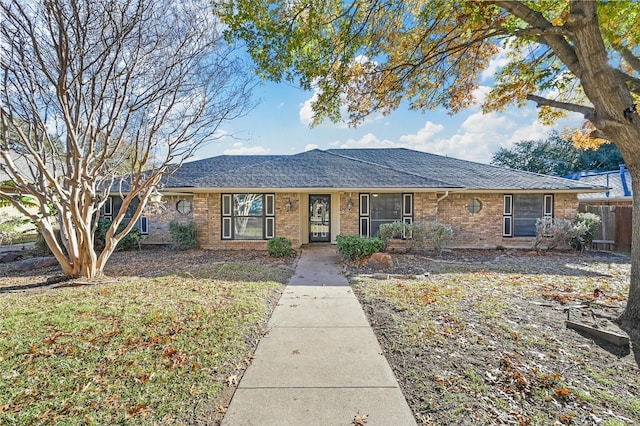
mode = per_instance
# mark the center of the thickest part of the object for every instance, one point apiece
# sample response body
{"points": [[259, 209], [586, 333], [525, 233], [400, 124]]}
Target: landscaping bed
{"points": [[479, 337], [162, 339]]}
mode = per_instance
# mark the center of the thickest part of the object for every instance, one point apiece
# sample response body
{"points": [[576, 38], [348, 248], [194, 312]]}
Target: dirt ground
{"points": [[479, 337]]}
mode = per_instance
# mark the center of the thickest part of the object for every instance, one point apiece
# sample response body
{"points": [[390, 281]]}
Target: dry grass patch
{"points": [[484, 341]]}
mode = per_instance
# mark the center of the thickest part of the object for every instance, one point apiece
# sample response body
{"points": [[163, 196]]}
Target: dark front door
{"points": [[319, 218]]}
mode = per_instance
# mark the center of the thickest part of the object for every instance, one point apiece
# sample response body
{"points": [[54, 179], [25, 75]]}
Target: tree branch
{"points": [[588, 112], [630, 58], [556, 42], [634, 83]]}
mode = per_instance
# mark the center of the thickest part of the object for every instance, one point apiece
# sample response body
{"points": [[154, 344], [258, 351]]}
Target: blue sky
{"points": [[280, 125]]}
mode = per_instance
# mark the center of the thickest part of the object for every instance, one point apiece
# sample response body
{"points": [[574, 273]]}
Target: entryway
{"points": [[319, 218]]}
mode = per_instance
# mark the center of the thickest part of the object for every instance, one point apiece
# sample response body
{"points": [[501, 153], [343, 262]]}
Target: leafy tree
{"points": [[564, 55], [557, 156], [100, 96]]}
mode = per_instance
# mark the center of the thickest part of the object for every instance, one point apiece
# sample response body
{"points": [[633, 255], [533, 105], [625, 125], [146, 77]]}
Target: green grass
{"points": [[138, 351]]}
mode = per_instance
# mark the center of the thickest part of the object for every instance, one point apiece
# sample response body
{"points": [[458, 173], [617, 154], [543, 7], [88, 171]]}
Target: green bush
{"points": [[130, 241], [389, 231], [279, 247], [439, 233], [353, 247], [182, 236], [417, 234], [591, 222]]}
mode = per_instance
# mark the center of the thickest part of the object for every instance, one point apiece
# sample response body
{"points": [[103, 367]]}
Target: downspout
{"points": [[623, 179], [446, 194]]}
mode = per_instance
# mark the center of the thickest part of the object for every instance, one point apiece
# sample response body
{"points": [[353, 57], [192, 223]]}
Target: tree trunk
{"points": [[630, 319]]}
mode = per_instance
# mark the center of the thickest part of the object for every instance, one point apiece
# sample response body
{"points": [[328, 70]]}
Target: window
{"points": [[521, 211], [474, 206], [378, 209], [248, 216], [184, 206], [112, 207]]}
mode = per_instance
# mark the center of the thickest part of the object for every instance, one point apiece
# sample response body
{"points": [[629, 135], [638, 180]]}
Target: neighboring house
{"points": [[615, 206], [617, 181], [241, 202]]}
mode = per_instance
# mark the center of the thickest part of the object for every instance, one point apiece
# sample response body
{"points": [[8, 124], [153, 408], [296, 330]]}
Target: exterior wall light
{"points": [[288, 205], [155, 197], [349, 204]]}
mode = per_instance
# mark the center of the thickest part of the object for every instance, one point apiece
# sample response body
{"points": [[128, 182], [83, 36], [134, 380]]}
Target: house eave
{"points": [[204, 190]]}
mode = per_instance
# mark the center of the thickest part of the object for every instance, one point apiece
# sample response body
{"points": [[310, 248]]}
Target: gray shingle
{"points": [[359, 169]]}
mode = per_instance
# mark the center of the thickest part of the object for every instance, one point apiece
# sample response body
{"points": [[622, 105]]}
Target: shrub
{"points": [[130, 241], [417, 234], [389, 231], [10, 227], [591, 222], [439, 233], [279, 247], [183, 236], [559, 233], [353, 247]]}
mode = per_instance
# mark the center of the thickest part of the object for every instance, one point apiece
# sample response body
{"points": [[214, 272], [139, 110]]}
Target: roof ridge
{"points": [[332, 152]]}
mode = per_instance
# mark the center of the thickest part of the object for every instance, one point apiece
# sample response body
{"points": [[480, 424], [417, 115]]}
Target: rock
{"points": [[32, 263], [380, 261], [11, 256]]}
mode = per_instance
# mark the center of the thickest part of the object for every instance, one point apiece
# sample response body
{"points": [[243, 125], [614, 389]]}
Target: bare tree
{"points": [[94, 88]]}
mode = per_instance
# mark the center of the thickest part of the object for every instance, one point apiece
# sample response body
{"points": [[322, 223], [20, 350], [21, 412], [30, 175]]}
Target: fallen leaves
{"points": [[490, 345], [138, 410], [360, 419], [231, 380]]}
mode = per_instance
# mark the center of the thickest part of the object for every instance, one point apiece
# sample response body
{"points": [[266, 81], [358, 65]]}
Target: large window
{"points": [[248, 216], [521, 211], [378, 209]]}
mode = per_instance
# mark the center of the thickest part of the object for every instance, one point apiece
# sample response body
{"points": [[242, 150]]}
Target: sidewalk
{"points": [[320, 363]]}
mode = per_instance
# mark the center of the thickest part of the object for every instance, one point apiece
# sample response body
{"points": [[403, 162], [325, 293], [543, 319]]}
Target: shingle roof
{"points": [[359, 169]]}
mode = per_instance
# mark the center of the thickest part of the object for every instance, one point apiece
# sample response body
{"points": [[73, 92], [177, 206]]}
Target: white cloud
{"points": [[368, 141], [476, 138], [306, 111], [311, 147], [240, 149], [480, 95], [497, 62], [423, 135], [306, 114]]}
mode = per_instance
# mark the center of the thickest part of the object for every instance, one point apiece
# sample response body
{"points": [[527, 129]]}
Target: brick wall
{"points": [[160, 216], [484, 229], [349, 218], [479, 230], [208, 219]]}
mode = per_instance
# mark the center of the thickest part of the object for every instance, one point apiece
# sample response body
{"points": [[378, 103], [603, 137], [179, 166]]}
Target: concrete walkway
{"points": [[320, 363]]}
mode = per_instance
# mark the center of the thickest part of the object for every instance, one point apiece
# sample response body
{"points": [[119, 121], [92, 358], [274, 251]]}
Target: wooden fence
{"points": [[615, 227]]}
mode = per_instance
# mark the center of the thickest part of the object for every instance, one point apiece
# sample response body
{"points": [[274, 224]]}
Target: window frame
{"points": [[509, 214], [183, 202], [228, 216], [406, 211]]}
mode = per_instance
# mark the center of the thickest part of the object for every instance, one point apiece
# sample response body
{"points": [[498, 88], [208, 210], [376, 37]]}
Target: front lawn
{"points": [[158, 348], [482, 339]]}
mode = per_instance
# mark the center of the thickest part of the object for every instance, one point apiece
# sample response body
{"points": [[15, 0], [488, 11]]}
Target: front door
{"points": [[319, 218]]}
